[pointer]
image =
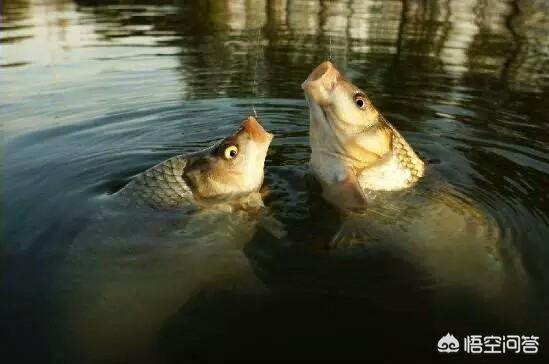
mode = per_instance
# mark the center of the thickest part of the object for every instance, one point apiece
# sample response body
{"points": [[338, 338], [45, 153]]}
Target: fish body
{"points": [[135, 270], [230, 171], [398, 169], [354, 149], [162, 186]]}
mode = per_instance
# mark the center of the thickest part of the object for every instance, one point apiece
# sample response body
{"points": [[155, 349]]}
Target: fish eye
{"points": [[230, 152], [360, 101]]}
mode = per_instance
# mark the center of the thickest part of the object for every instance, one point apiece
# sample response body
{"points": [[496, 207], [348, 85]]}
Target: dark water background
{"points": [[93, 92]]}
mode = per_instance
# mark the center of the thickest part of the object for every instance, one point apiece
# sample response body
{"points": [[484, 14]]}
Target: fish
{"points": [[197, 250], [136, 268], [229, 172], [354, 149], [363, 164]]}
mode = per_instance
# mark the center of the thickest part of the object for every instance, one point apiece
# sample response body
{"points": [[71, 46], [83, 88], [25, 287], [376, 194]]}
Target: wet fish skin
{"points": [[354, 149], [356, 152], [207, 177], [406, 156], [162, 186]]}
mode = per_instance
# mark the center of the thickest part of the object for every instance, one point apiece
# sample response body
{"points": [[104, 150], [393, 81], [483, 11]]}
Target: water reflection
{"points": [[485, 36]]}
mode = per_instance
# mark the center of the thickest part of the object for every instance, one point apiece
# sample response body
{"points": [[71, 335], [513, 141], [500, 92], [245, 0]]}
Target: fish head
{"points": [[341, 113], [233, 166], [345, 128]]}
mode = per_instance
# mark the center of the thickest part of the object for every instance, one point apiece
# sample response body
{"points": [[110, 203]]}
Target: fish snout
{"points": [[321, 82], [256, 131]]}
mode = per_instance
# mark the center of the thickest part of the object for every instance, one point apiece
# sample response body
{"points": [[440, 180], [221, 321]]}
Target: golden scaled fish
{"points": [[354, 149], [229, 171]]}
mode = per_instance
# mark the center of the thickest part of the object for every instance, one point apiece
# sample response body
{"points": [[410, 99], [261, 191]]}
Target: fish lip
{"points": [[256, 131], [320, 71], [321, 83]]}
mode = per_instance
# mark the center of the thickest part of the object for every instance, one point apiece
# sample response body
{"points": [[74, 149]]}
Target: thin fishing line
{"points": [[330, 58], [254, 85], [330, 47]]}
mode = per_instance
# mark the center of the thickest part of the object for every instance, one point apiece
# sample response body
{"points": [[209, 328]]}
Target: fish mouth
{"points": [[256, 131], [321, 82]]}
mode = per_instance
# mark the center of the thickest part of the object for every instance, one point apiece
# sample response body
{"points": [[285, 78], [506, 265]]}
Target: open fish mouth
{"points": [[321, 82], [256, 131]]}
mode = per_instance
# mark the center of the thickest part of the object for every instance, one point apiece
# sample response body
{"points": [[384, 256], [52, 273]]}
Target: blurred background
{"points": [[200, 49]]}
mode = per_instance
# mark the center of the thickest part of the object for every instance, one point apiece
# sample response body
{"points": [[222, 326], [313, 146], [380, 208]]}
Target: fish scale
{"points": [[206, 178], [371, 153], [406, 156], [161, 186]]}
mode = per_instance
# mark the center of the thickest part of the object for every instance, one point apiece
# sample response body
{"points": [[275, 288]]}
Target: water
{"points": [[94, 92]]}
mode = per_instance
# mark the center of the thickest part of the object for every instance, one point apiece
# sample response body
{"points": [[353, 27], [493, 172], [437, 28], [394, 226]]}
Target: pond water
{"points": [[93, 92]]}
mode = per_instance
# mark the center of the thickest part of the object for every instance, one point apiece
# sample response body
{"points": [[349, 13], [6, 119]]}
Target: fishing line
{"points": [[330, 47], [254, 85], [330, 58]]}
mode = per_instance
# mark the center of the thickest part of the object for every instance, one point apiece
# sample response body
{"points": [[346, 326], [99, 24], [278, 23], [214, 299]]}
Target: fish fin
{"points": [[346, 193], [265, 191], [350, 234], [252, 202], [273, 226]]}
